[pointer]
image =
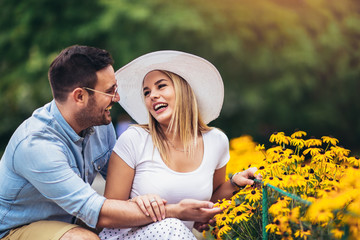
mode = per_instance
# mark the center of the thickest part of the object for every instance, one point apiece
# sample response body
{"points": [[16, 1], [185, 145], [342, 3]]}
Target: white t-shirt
{"points": [[152, 175]]}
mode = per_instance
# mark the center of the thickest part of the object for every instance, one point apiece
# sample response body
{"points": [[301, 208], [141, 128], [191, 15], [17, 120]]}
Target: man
{"points": [[53, 157]]}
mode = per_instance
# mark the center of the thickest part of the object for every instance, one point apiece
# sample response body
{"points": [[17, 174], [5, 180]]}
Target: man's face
{"points": [[99, 105]]}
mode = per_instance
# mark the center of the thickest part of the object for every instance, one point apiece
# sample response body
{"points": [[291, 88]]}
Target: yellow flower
{"points": [[254, 195], [297, 142], [251, 210], [274, 151], [279, 138], [271, 228], [294, 181], [222, 219], [259, 147], [302, 234], [223, 230], [319, 214], [298, 134], [294, 215], [282, 223], [321, 157], [241, 207], [330, 140], [280, 206], [340, 152], [313, 151], [337, 233], [270, 180], [354, 161], [222, 204], [240, 216], [313, 142]]}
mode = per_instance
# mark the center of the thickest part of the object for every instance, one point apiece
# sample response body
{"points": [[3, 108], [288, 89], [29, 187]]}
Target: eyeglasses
{"points": [[113, 96]]}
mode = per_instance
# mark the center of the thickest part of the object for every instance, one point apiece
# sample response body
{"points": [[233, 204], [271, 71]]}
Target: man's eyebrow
{"points": [[111, 88]]}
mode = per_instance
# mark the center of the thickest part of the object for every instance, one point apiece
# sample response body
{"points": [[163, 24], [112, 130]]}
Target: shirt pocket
{"points": [[100, 162]]}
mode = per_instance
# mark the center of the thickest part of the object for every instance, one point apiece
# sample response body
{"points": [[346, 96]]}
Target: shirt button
{"points": [[99, 167]]}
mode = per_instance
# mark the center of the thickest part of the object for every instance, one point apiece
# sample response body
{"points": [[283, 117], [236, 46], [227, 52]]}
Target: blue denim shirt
{"points": [[47, 169]]}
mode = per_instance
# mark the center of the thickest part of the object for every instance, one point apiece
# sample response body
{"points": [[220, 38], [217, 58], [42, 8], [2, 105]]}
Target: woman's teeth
{"points": [[160, 105]]}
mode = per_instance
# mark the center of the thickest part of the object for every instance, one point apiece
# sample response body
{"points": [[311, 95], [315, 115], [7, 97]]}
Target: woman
{"points": [[172, 154]]}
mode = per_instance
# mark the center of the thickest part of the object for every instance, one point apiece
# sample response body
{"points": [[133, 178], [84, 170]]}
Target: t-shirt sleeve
{"points": [[222, 142], [127, 144]]}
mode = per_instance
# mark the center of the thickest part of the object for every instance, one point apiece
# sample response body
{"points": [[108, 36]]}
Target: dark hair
{"points": [[76, 66]]}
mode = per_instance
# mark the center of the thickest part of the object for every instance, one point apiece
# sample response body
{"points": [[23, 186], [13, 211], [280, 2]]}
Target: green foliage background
{"points": [[286, 64]]}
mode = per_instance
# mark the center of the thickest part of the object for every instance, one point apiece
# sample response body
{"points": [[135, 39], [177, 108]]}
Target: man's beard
{"points": [[92, 116]]}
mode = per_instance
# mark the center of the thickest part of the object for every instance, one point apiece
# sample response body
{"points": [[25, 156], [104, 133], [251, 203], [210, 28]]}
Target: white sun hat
{"points": [[202, 76]]}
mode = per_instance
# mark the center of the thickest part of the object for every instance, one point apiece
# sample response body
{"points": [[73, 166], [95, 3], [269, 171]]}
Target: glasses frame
{"points": [[113, 96]]}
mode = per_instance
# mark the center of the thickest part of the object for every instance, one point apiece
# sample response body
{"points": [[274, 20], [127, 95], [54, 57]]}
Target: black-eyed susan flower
{"points": [[321, 157], [276, 136], [294, 215], [294, 181], [280, 206], [319, 214], [274, 151], [298, 134], [313, 151], [240, 216], [282, 223], [254, 195], [297, 142], [330, 140], [260, 147], [271, 228], [302, 234], [337, 233], [224, 230], [354, 161], [222, 204], [222, 219], [340, 152], [240, 207], [329, 179], [313, 142]]}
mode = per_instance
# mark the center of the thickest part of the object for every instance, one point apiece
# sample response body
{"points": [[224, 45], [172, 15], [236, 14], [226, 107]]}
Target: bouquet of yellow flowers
{"points": [[310, 190]]}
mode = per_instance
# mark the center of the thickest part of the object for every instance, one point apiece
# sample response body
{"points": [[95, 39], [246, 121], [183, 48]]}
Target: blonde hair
{"points": [[185, 120]]}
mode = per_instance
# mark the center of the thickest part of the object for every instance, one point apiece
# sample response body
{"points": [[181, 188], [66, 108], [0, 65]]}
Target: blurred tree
{"points": [[285, 64], [31, 35]]}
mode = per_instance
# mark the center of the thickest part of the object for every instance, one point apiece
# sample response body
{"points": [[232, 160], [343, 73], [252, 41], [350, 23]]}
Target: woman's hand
{"points": [[246, 177], [152, 205]]}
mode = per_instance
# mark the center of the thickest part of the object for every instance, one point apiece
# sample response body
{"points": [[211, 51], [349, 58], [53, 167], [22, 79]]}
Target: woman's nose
{"points": [[154, 95]]}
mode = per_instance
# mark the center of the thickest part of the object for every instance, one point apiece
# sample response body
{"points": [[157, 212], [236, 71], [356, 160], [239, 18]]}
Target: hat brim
{"points": [[202, 76]]}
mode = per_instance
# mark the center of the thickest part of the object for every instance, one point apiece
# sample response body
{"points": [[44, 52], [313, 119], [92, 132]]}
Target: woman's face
{"points": [[159, 94]]}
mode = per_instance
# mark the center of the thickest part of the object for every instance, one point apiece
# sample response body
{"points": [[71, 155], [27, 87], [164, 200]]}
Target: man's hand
{"points": [[192, 210], [204, 226]]}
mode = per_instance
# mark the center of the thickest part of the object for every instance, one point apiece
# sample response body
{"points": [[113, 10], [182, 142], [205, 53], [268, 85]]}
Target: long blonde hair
{"points": [[185, 120]]}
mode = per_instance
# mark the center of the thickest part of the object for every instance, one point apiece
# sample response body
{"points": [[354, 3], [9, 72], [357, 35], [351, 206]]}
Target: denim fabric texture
{"points": [[47, 169]]}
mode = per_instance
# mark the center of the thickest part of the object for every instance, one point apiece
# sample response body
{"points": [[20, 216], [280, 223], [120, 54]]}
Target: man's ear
{"points": [[79, 95]]}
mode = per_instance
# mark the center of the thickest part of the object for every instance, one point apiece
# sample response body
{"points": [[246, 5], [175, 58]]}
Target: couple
{"points": [[53, 157]]}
